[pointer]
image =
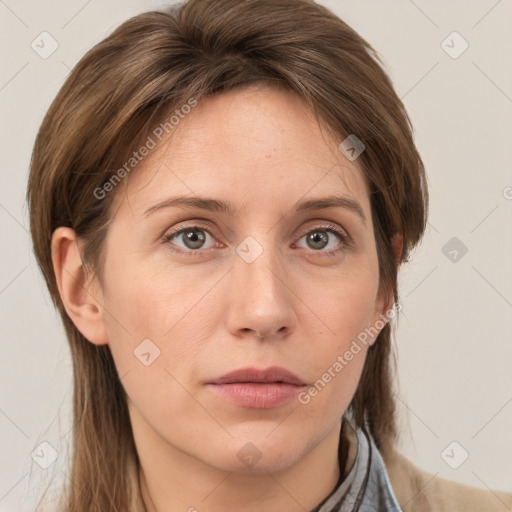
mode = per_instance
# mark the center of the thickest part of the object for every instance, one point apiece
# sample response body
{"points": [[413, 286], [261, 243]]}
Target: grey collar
{"points": [[367, 487]]}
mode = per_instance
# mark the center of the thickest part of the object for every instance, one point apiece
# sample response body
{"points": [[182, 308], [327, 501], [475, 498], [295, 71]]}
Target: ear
{"points": [[398, 244], [385, 303], [80, 293]]}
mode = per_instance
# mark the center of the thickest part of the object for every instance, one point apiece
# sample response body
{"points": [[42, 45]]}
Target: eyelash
{"points": [[344, 237]]}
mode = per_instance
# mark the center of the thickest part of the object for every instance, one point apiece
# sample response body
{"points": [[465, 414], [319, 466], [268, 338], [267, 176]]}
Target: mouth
{"points": [[258, 389]]}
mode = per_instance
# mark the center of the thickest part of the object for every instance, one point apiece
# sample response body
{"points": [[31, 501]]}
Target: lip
{"points": [[273, 374], [258, 389]]}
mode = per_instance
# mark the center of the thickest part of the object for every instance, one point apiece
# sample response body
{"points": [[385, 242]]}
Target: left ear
{"points": [[385, 303]]}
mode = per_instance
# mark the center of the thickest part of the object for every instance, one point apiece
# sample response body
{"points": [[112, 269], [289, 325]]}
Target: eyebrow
{"points": [[228, 208]]}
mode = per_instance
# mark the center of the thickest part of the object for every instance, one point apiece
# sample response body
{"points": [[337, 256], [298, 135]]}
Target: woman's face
{"points": [[254, 280]]}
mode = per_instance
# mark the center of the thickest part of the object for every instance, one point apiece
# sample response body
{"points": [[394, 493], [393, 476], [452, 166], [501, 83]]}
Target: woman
{"points": [[221, 196]]}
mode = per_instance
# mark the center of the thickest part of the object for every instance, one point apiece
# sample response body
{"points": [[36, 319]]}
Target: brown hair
{"points": [[121, 89]]}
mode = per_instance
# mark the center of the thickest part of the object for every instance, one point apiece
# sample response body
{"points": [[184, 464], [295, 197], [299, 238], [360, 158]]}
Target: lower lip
{"points": [[257, 396]]}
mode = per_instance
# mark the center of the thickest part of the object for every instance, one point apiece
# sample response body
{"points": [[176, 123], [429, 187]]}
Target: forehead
{"points": [[259, 145]]}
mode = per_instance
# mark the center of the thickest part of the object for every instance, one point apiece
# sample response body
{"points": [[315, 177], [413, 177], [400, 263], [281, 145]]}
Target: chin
{"points": [[253, 457]]}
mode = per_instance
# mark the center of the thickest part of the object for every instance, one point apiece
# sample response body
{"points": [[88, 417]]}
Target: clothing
{"points": [[366, 487], [389, 482]]}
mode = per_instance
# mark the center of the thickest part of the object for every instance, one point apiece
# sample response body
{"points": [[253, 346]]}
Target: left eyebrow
{"points": [[228, 208], [331, 202]]}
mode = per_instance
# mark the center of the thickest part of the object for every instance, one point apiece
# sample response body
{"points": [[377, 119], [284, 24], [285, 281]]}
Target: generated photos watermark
{"points": [[137, 156], [343, 360]]}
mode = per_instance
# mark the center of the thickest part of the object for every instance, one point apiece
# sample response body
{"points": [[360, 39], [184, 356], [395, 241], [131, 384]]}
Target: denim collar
{"points": [[366, 488]]}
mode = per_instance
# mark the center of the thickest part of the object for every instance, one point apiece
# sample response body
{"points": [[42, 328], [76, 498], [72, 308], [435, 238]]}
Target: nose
{"points": [[261, 303]]}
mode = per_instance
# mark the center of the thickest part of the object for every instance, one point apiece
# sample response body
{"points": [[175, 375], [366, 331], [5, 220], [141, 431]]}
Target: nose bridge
{"points": [[258, 261], [261, 296]]}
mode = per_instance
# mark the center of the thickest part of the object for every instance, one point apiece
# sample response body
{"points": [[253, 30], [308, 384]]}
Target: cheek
{"points": [[344, 307], [154, 337], [336, 358], [158, 317], [149, 300]]}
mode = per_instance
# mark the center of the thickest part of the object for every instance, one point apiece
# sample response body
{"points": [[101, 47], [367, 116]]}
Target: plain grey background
{"points": [[450, 63]]}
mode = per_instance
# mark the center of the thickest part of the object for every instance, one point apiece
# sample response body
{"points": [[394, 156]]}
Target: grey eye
{"points": [[191, 238]]}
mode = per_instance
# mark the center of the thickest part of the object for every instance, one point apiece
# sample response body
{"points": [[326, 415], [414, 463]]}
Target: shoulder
{"points": [[419, 491]]}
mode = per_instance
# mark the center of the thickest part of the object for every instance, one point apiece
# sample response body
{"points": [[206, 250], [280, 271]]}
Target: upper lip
{"points": [[267, 375]]}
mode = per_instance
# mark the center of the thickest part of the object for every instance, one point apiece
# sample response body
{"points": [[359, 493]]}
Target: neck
{"points": [[171, 480]]}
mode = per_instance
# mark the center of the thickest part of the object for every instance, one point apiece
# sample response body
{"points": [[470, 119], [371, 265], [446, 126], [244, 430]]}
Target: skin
{"points": [[211, 313]]}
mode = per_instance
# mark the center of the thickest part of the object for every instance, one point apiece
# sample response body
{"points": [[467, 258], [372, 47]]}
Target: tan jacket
{"points": [[419, 491]]}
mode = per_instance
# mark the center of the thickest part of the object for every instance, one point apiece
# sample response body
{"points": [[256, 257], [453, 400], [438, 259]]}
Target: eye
{"points": [[327, 238], [195, 240], [192, 239]]}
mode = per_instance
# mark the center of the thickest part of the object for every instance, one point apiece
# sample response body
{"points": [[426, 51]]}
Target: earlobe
{"points": [[82, 300]]}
